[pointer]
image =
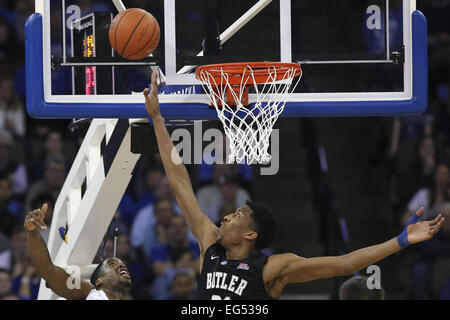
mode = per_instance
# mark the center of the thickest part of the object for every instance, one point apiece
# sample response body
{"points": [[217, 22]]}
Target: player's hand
{"points": [[424, 230], [151, 99], [35, 219]]}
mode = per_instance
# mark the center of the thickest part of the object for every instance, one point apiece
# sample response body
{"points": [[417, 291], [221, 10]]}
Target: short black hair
{"points": [[55, 159], [177, 252], [356, 289], [265, 224], [98, 272]]}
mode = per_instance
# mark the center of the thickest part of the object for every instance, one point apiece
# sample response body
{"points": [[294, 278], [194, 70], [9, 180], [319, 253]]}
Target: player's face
{"points": [[235, 226], [116, 274]]}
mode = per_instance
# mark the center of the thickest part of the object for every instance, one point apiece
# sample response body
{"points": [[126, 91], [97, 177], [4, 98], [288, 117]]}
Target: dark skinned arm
{"points": [[55, 276], [202, 228]]}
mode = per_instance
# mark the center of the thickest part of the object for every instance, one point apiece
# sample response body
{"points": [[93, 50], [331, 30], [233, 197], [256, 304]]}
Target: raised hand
{"points": [[424, 230], [35, 219], [151, 100]]}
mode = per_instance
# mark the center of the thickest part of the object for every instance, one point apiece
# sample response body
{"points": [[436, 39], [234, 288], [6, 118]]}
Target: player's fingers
{"points": [[419, 212], [435, 228], [436, 220], [36, 221], [44, 209], [37, 215], [154, 84], [439, 224]]}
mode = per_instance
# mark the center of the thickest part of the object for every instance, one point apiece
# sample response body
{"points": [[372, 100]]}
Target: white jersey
{"points": [[97, 295]]}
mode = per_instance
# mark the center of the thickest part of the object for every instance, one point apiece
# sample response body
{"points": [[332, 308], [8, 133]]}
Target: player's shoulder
{"points": [[277, 262], [283, 258]]}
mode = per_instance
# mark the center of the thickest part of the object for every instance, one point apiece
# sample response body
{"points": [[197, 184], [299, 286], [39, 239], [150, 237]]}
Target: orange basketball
{"points": [[134, 34]]}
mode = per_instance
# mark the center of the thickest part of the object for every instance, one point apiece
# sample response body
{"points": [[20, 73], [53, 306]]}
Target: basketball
{"points": [[134, 34]]}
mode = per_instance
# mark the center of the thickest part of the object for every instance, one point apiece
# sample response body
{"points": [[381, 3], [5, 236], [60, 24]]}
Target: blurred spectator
{"points": [[441, 108], [153, 178], [54, 176], [10, 50], [11, 167], [408, 174], [157, 221], [6, 287], [12, 110], [53, 147], [11, 209], [145, 226], [183, 286], [25, 280], [206, 172], [176, 235], [417, 172], [182, 261], [17, 248], [432, 196], [129, 208], [428, 254], [224, 191], [22, 9], [356, 288], [5, 282]]}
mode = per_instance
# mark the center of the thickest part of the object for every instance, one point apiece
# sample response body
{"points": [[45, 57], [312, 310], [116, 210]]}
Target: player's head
{"points": [[356, 289], [112, 275], [253, 223]]}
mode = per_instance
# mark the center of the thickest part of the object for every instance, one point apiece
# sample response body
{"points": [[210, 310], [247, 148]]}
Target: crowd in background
{"points": [[154, 240], [418, 160]]}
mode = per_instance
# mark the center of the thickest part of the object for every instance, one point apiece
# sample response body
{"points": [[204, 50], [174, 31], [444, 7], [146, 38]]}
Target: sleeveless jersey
{"points": [[223, 279]]}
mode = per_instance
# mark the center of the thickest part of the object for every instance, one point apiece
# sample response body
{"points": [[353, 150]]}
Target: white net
{"points": [[249, 128]]}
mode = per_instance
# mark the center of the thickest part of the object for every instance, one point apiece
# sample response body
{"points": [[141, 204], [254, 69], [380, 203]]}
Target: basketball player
{"points": [[110, 280], [231, 265]]}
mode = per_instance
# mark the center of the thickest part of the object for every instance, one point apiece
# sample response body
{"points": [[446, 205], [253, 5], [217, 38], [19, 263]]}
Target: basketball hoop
{"points": [[249, 126]]}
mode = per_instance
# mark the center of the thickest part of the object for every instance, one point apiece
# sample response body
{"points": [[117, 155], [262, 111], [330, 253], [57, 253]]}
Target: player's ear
{"points": [[99, 282], [251, 235]]}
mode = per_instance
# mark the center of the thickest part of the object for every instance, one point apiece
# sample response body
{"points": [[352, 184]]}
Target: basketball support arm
{"points": [[105, 177]]}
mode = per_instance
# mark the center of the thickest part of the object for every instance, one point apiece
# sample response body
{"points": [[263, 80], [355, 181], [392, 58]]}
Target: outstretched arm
{"points": [[55, 277], [289, 268], [202, 228]]}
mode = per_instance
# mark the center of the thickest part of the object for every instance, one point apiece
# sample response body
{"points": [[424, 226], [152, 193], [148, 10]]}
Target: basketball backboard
{"points": [[359, 57]]}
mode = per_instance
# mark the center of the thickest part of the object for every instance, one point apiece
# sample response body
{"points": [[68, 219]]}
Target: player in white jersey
{"points": [[110, 280]]}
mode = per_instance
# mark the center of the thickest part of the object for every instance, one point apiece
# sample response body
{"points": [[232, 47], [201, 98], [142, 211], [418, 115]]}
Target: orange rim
{"points": [[237, 70]]}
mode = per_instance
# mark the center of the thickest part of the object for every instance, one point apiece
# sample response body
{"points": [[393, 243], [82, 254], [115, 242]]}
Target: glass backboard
{"points": [[359, 57]]}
